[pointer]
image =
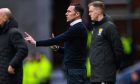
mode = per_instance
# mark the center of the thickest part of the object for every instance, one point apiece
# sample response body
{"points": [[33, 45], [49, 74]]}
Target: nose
{"points": [[66, 13], [89, 14]]}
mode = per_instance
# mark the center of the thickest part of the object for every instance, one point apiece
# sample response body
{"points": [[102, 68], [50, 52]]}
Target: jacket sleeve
{"points": [[116, 45], [68, 35], [20, 46]]}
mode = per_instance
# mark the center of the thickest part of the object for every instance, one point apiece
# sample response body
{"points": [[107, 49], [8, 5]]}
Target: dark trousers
{"points": [[75, 76], [108, 82]]}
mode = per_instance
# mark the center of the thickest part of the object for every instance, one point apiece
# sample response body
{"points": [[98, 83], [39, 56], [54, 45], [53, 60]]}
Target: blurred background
{"points": [[40, 18]]}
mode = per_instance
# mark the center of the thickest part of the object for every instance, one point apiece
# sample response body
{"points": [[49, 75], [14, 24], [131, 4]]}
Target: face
{"points": [[71, 15], [3, 18], [94, 12]]}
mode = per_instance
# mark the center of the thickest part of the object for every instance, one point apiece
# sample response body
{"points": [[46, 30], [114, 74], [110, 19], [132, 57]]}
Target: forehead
{"points": [[71, 8], [92, 8], [2, 12]]}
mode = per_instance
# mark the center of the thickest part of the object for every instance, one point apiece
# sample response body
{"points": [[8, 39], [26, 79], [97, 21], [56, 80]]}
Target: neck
{"points": [[76, 21], [100, 17]]}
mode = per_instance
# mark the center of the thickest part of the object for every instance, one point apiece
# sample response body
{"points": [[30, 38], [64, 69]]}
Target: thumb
{"points": [[52, 35]]}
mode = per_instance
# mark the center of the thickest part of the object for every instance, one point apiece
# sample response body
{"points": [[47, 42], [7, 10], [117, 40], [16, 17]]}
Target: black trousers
{"points": [[75, 76]]}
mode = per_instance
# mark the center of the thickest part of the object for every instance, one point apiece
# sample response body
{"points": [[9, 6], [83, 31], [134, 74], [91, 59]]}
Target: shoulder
{"points": [[79, 25], [14, 32], [110, 25], [111, 28]]}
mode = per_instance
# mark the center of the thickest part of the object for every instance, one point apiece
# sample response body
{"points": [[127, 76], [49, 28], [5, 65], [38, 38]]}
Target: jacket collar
{"points": [[75, 22]]}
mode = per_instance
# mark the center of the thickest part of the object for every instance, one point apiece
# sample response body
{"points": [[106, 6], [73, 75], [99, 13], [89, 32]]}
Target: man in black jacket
{"points": [[75, 39], [13, 49], [106, 50]]}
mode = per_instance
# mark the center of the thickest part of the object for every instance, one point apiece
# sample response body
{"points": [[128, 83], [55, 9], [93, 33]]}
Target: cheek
{"points": [[71, 15], [90, 14], [95, 14], [1, 20]]}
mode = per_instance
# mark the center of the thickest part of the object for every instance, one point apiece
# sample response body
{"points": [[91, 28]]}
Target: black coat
{"points": [[75, 41], [106, 51], [13, 50]]}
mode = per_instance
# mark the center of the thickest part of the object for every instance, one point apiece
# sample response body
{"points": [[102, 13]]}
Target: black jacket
{"points": [[74, 39], [12, 52], [106, 51]]}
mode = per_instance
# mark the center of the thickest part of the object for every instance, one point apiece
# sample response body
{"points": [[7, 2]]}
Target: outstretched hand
{"points": [[29, 39]]}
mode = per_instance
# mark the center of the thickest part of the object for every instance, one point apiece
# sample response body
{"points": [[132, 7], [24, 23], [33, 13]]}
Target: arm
{"points": [[19, 44], [68, 35], [114, 39]]}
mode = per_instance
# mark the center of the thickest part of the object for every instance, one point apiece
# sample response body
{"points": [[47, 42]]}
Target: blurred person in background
{"points": [[129, 49], [29, 70], [135, 77], [106, 52], [129, 75], [37, 69], [75, 40], [13, 49]]}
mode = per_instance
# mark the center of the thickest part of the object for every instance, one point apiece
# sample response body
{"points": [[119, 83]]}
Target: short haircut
{"points": [[99, 4], [78, 8]]}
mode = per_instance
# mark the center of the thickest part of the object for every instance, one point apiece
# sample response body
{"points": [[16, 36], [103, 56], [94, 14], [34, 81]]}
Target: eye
{"points": [[68, 11]]}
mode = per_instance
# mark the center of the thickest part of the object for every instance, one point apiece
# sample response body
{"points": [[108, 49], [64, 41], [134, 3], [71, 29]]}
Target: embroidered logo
{"points": [[100, 31]]}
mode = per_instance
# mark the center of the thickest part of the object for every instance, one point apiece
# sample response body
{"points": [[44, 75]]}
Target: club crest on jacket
{"points": [[100, 31]]}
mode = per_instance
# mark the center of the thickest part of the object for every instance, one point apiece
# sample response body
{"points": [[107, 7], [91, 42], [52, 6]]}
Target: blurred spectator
{"points": [[128, 48], [37, 69], [130, 75], [135, 77], [88, 68]]}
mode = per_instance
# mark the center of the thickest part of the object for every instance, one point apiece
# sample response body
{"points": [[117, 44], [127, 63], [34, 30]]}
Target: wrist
{"points": [[35, 43], [56, 49]]}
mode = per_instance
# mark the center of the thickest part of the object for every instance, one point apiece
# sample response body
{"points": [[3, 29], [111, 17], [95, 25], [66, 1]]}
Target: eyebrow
{"points": [[68, 10]]}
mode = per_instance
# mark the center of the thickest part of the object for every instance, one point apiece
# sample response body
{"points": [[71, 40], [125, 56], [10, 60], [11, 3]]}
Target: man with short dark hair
{"points": [[75, 39]]}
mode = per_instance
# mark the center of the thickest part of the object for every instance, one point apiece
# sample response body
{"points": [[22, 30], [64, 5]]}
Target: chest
{"points": [[4, 40], [98, 34]]}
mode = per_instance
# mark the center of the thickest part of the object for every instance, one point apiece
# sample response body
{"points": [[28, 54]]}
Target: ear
{"points": [[99, 11], [77, 14]]}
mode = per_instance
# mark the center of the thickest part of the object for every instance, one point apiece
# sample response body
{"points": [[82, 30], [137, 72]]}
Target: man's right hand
{"points": [[29, 39]]}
